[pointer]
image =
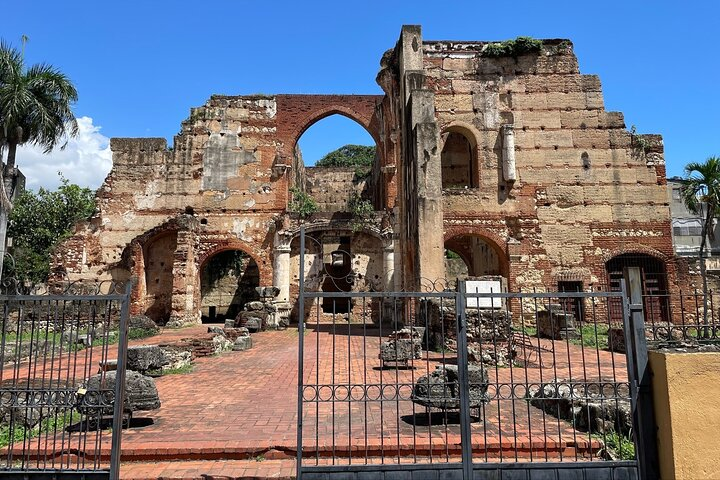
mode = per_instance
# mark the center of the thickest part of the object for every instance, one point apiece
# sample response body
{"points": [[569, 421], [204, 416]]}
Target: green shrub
{"points": [[512, 48], [302, 203]]}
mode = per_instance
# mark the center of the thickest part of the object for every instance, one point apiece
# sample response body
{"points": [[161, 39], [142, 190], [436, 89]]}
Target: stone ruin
{"points": [[596, 406], [455, 122], [440, 388], [556, 323], [489, 331], [403, 346]]}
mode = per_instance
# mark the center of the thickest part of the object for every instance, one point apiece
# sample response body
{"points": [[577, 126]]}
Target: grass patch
{"points": [[529, 331], [49, 425], [138, 333], [595, 335], [172, 371], [622, 446]]}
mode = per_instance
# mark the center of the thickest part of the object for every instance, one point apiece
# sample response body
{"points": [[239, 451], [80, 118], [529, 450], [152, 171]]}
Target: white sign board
{"points": [[483, 286]]}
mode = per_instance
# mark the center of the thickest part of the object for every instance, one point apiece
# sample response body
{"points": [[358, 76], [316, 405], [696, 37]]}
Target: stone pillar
{"points": [[509, 153], [389, 264], [185, 303], [281, 269]]}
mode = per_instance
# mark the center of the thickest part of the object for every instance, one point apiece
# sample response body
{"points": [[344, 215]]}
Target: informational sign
{"points": [[483, 286]]}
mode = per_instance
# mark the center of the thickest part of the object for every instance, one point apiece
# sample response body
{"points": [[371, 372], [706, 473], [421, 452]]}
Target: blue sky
{"points": [[140, 65]]}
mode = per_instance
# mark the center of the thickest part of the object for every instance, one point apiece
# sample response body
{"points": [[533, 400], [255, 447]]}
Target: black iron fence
{"points": [[462, 384], [61, 370]]}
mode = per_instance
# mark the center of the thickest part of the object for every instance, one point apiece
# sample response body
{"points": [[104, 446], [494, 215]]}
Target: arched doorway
{"points": [[654, 284], [227, 282], [473, 256]]}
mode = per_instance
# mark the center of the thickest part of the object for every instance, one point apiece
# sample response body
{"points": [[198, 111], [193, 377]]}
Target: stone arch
{"points": [[228, 279], [459, 156], [297, 113], [455, 234], [210, 249]]}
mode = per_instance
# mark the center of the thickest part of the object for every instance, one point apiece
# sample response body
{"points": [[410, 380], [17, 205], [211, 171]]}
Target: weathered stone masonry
{"points": [[515, 157]]}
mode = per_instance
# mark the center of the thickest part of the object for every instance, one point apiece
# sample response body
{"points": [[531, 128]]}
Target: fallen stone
{"points": [[141, 394], [254, 306], [242, 344], [144, 322], [27, 403], [403, 345], [220, 344], [229, 323], [216, 329], [252, 320], [267, 292], [440, 388], [145, 357]]}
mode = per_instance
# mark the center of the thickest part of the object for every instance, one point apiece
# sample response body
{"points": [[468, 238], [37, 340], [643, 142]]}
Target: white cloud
{"points": [[86, 160]]}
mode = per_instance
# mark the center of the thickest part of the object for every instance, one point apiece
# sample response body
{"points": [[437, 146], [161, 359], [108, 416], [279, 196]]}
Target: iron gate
{"points": [[448, 383], [62, 368]]}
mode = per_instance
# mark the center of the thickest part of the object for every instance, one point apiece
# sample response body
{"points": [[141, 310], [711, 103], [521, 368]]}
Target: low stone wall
{"points": [[686, 389]]}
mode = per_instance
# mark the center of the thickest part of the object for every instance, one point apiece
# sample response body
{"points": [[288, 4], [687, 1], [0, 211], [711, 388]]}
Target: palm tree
{"points": [[701, 195], [35, 109]]}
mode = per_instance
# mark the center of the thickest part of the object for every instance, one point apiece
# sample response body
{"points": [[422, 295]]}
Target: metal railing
{"points": [[62, 357], [467, 383]]}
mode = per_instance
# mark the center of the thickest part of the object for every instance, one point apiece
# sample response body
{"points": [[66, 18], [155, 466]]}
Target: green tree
{"points": [[39, 221], [701, 195], [349, 156], [35, 109]]}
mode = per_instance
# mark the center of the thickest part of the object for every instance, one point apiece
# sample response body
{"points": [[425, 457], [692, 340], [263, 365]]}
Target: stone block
{"points": [[242, 344], [145, 357], [440, 388], [140, 394]]}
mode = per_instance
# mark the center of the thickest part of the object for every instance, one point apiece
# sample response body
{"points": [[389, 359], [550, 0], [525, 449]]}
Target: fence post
{"points": [[301, 355], [464, 385], [639, 375], [118, 409]]}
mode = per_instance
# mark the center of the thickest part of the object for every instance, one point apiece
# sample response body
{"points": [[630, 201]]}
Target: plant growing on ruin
{"points": [[638, 142], [512, 48], [302, 203], [701, 195], [362, 211], [35, 109]]}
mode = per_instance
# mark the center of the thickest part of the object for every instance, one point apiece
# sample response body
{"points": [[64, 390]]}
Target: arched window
{"points": [[458, 161]]}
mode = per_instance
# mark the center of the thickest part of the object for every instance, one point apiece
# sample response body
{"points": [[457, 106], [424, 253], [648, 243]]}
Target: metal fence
{"points": [[61, 371], [457, 384]]}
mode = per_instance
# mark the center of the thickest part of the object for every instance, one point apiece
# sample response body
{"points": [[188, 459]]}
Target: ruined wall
{"points": [[332, 187], [536, 173], [585, 188]]}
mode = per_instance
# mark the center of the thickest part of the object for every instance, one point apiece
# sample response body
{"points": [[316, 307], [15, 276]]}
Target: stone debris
{"points": [[27, 403], [403, 345], [555, 323], [440, 389], [143, 358], [600, 406], [242, 344], [143, 322], [141, 394]]}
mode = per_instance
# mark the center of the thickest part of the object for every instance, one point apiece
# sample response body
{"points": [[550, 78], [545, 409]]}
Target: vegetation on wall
{"points": [[39, 221], [512, 48], [362, 211], [302, 203]]}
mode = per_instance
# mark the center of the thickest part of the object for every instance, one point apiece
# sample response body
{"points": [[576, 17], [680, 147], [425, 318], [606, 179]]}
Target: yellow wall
{"points": [[686, 395]]}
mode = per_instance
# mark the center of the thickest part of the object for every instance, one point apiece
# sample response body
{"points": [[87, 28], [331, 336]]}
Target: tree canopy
{"points": [[39, 221], [349, 156]]}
